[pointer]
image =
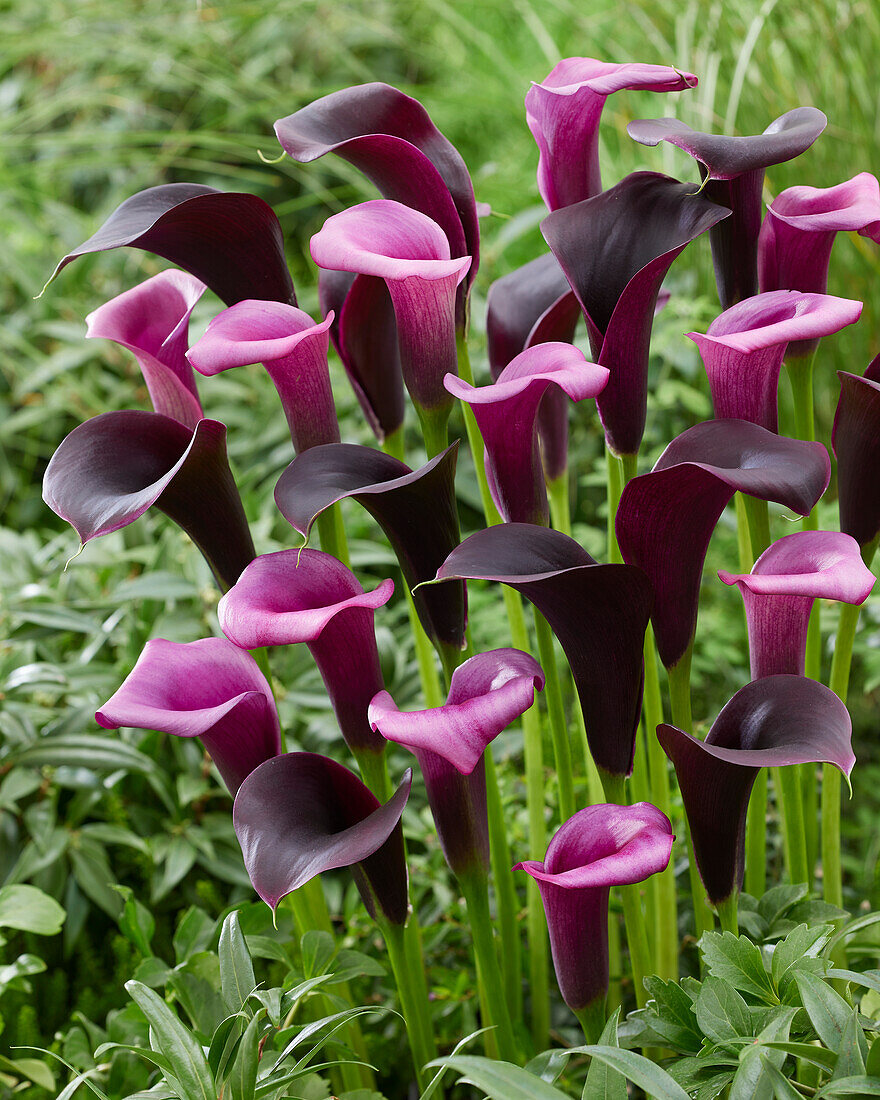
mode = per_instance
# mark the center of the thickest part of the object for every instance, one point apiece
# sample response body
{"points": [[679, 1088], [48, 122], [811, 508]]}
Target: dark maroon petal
{"points": [[364, 333], [666, 518], [415, 509], [390, 137], [773, 722], [615, 250], [301, 814], [856, 443], [230, 240], [598, 612], [111, 469]]}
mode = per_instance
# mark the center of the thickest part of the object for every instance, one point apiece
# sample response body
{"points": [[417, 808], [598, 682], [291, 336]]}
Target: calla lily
{"points": [[666, 518], [308, 596], [856, 443], [743, 349], [779, 592], [772, 722], [411, 253], [733, 171], [293, 349], [230, 240], [615, 250], [507, 415], [300, 814], [600, 847], [111, 469], [152, 321], [599, 613], [364, 333], [209, 689], [416, 510], [563, 113], [486, 693]]}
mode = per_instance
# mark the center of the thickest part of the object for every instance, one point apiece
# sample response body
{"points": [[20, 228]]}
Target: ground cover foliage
{"points": [[130, 832]]}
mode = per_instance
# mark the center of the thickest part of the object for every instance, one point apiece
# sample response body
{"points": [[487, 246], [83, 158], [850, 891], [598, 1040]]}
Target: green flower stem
{"points": [[505, 892], [592, 1019], [373, 767], [594, 784], [800, 375], [614, 489], [414, 1002], [743, 542], [475, 887], [425, 656], [758, 517], [787, 783], [615, 965], [394, 444], [558, 493], [434, 424], [556, 710], [756, 837], [331, 534], [727, 913]]}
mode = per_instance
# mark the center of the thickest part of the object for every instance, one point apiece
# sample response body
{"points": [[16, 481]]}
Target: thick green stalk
{"points": [[435, 424], [505, 892], [373, 767], [414, 1002], [758, 517], [787, 783], [331, 534], [556, 710], [558, 493], [592, 1019], [425, 656], [727, 913], [594, 784], [614, 489], [756, 837], [394, 444]]}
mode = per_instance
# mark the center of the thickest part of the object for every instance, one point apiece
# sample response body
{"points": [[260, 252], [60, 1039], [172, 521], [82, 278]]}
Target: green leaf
{"points": [[84, 750], [779, 899], [800, 943], [350, 964], [783, 1089], [236, 969], [194, 933], [270, 999], [869, 979], [603, 1082], [317, 949], [858, 924], [828, 1011], [153, 972], [721, 1012], [243, 1078], [816, 1056], [851, 1086], [93, 875], [752, 1081], [872, 1062], [13, 974], [667, 1020], [81, 1077], [737, 960], [434, 1083], [136, 921], [501, 1080], [30, 910], [224, 1042], [852, 1050], [32, 1070], [177, 1043], [655, 1081]]}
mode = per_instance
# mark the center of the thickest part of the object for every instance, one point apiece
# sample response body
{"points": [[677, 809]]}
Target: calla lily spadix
{"points": [[600, 847], [486, 693], [230, 240], [416, 510], [364, 333], [779, 592], [666, 517], [615, 250], [300, 814], [856, 443], [152, 321], [506, 412], [111, 469], [743, 349], [733, 171], [599, 613], [209, 689], [772, 722], [309, 596], [563, 113], [293, 349]]}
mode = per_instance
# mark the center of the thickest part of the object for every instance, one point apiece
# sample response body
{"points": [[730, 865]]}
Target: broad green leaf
{"points": [[84, 750], [81, 1077], [737, 960], [783, 1089], [675, 1012], [752, 1081], [604, 1082], [852, 1051], [236, 969], [226, 1035], [14, 973], [195, 930], [802, 942], [270, 999], [32, 1069], [350, 964], [816, 1056], [93, 875], [177, 1043], [721, 1012], [501, 1080], [655, 1081], [858, 924], [197, 986], [779, 899], [179, 858], [853, 1087], [870, 979], [317, 949], [136, 921], [153, 972], [872, 1062], [828, 1011], [243, 1076], [263, 947], [30, 910]]}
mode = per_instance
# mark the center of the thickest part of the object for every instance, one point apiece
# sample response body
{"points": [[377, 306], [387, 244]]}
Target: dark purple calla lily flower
{"points": [[486, 694], [293, 349], [152, 321], [743, 349], [615, 250], [563, 113], [772, 722], [308, 596], [599, 613], [733, 171], [416, 510], [507, 415], [666, 518], [856, 443], [230, 240], [780, 590], [111, 469], [364, 333], [302, 813], [209, 689], [600, 847]]}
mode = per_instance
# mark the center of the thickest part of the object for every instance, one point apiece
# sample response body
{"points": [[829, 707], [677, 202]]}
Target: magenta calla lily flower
{"points": [[293, 349], [111, 469], [733, 171], [486, 693], [152, 321], [666, 518], [563, 113], [600, 847], [364, 333], [411, 253], [615, 250], [230, 240], [772, 722], [309, 596], [209, 689], [507, 415], [856, 443], [300, 814], [780, 590], [743, 349]]}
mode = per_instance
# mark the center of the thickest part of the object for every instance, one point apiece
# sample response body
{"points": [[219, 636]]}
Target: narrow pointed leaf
{"points": [[177, 1043], [236, 969]]}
